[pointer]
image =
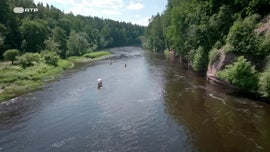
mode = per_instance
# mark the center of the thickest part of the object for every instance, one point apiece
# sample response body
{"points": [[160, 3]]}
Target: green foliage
{"points": [[29, 59], [228, 48], [241, 73], [96, 54], [92, 49], [217, 45], [200, 60], [264, 82], [213, 55], [3, 30], [186, 25], [15, 79], [257, 6], [11, 34], [60, 38], [264, 44], [214, 25], [34, 32], [11, 55], [51, 45], [65, 64], [156, 36], [50, 57], [77, 44], [242, 36]]}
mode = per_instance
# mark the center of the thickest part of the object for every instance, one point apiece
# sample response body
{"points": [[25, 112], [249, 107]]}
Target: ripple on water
{"points": [[148, 99], [217, 98], [61, 143]]}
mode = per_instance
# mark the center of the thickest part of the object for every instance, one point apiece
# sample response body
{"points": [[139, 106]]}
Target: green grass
{"points": [[88, 57], [65, 64], [79, 59], [96, 54], [15, 80]]}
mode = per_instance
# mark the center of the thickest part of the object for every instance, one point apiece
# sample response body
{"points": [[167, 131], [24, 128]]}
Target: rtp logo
{"points": [[26, 10]]}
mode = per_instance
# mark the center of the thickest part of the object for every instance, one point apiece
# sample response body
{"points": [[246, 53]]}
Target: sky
{"points": [[134, 11]]}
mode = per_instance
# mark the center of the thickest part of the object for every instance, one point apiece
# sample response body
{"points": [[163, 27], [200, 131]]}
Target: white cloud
{"points": [[144, 21], [110, 12], [135, 6], [88, 7], [50, 2], [85, 11], [113, 4], [113, 9]]}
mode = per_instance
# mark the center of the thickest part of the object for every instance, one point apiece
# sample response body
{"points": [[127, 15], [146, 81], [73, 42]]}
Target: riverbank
{"points": [[210, 76], [16, 80]]}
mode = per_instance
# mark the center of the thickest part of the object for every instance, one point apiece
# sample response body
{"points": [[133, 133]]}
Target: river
{"points": [[153, 104]]}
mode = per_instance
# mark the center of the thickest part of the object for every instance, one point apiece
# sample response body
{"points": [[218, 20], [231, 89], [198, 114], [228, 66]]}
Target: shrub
{"points": [[11, 55], [241, 73], [242, 35], [190, 55], [50, 57], [217, 45], [264, 45], [228, 48], [264, 82], [65, 64], [28, 59], [213, 55], [200, 60]]}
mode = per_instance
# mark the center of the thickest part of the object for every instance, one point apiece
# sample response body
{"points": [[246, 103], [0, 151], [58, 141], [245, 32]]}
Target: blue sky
{"points": [[134, 11]]}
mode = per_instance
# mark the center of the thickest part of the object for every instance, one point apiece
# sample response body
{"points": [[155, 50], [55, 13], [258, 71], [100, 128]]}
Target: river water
{"points": [[154, 104]]}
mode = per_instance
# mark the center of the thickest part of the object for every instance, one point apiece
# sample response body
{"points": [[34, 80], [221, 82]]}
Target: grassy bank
{"points": [[89, 57], [16, 80]]}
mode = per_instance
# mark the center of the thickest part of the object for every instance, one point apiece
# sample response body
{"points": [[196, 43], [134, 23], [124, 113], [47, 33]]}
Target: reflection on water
{"points": [[154, 104]]}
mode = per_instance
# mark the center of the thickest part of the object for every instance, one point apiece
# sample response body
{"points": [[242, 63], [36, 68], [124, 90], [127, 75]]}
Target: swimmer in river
{"points": [[125, 65], [99, 83]]}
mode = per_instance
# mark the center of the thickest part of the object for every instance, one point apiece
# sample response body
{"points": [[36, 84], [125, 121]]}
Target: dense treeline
{"points": [[65, 34], [199, 30]]}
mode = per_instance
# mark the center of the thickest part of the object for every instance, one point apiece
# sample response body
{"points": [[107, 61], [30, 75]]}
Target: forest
{"points": [[204, 32], [66, 34]]}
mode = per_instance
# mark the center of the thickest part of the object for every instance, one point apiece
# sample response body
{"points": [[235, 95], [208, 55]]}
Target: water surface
{"points": [[154, 104]]}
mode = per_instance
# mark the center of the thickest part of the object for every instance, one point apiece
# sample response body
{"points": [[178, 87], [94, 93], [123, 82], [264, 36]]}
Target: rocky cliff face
{"points": [[219, 64]]}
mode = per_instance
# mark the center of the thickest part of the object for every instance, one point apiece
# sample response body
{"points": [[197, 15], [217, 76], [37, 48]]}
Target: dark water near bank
{"points": [[152, 105]]}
